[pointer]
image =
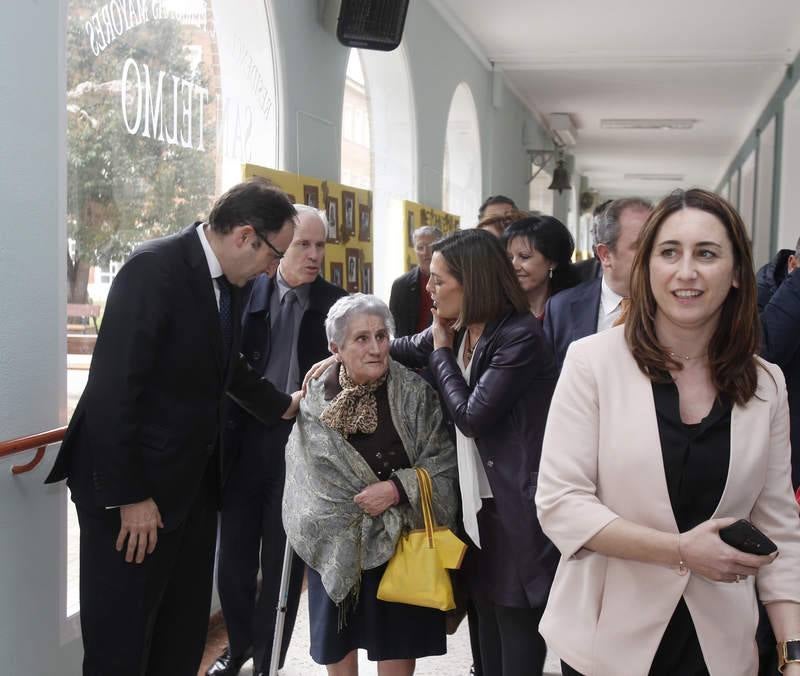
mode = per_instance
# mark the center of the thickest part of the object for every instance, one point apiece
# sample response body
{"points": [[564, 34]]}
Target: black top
{"points": [[696, 459], [382, 449]]}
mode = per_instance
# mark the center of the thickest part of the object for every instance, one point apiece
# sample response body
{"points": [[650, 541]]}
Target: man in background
{"points": [[597, 305], [495, 205], [409, 302]]}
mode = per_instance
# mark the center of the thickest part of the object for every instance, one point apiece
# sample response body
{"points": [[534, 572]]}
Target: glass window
{"points": [[356, 147], [165, 101]]}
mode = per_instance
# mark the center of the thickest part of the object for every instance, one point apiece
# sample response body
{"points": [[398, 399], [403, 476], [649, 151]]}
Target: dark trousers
{"points": [[474, 638], [149, 618], [509, 639], [252, 537]]}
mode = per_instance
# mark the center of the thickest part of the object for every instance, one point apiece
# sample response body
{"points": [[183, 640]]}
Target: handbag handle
{"points": [[426, 502]]}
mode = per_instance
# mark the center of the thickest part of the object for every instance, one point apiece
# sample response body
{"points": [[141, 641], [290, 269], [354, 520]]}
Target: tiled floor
{"points": [[456, 662]]}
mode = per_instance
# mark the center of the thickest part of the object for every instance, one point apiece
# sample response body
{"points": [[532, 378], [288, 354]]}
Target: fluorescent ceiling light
{"points": [[648, 123], [675, 178]]}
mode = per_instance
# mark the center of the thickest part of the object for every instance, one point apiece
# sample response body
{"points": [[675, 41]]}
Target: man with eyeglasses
{"points": [[409, 302], [143, 452]]}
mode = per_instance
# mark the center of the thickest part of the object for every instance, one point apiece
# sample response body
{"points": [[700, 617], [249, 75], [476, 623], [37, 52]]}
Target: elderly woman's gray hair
{"points": [[347, 307]]}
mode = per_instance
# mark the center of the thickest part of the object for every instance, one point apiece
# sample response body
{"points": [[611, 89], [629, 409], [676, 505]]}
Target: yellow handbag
{"points": [[417, 572]]}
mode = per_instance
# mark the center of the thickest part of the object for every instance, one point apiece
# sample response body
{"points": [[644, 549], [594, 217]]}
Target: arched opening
{"points": [[356, 153], [461, 184], [393, 146]]}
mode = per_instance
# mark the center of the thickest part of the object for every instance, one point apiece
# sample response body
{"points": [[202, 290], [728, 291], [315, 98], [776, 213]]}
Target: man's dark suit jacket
{"points": [[404, 303], [312, 343], [570, 315], [149, 419], [780, 344]]}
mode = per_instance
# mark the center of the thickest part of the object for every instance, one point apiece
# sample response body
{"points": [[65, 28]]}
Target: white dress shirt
{"points": [[472, 480], [610, 307], [214, 268]]}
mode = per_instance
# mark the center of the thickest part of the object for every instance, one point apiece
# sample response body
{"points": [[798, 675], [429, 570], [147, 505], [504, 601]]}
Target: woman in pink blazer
{"points": [[659, 434]]}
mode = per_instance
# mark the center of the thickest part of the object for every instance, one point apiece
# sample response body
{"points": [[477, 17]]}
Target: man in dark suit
{"points": [[143, 452], [597, 305], [409, 302], [283, 335]]}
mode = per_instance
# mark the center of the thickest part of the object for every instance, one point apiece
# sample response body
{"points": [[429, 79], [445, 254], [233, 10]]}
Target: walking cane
{"points": [[280, 618]]}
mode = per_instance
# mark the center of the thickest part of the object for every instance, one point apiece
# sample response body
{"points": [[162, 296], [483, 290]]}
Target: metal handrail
{"points": [[38, 441]]}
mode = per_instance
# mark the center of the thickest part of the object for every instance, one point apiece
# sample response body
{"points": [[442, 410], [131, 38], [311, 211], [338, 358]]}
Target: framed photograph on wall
{"points": [[337, 274], [364, 224], [366, 278], [348, 215], [353, 263], [410, 227], [311, 196], [332, 207]]}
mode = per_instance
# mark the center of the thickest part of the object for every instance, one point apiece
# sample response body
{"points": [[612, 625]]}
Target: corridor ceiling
{"points": [[717, 62]]}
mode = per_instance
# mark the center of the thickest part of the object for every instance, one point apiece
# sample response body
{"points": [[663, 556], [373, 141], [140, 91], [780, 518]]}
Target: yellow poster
{"points": [[348, 210]]}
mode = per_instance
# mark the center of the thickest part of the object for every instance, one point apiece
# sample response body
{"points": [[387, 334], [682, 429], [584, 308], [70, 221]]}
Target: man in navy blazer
{"points": [[282, 343], [597, 304], [143, 453]]}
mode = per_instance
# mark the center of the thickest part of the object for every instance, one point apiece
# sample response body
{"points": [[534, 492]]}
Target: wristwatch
{"points": [[788, 651]]}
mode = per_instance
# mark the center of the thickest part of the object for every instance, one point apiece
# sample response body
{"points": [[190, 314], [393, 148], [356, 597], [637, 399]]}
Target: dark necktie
{"points": [[281, 340], [225, 316]]}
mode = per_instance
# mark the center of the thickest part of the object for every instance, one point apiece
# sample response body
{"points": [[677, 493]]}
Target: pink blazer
{"points": [[601, 460]]}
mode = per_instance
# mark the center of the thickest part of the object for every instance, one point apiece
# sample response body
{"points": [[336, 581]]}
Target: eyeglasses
{"points": [[278, 254]]}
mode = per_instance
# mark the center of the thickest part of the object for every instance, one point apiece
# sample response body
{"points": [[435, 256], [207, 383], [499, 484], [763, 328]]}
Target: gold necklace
{"points": [[684, 357]]}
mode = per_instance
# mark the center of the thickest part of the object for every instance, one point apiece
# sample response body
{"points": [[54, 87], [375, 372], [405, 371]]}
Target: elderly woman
{"points": [[351, 490], [660, 433]]}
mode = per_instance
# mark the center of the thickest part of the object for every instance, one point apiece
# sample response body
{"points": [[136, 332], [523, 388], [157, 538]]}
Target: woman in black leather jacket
{"points": [[495, 376]]}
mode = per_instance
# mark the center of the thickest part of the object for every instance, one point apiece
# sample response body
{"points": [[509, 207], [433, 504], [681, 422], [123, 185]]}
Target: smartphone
{"points": [[745, 537]]}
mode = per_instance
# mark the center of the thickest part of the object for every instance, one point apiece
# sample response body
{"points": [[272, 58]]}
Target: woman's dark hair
{"points": [[736, 339], [549, 237], [479, 262], [257, 202]]}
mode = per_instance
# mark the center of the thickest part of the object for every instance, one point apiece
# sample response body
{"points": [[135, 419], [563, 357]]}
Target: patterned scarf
{"points": [[355, 408]]}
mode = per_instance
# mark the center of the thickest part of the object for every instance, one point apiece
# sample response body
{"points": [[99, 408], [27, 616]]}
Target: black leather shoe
{"points": [[228, 665]]}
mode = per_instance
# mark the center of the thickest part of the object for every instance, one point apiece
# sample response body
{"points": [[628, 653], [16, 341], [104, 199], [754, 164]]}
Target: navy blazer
{"points": [[780, 324], [244, 431], [570, 315], [504, 408]]}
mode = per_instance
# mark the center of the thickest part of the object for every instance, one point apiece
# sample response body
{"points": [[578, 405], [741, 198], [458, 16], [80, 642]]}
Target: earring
{"points": [[551, 273]]}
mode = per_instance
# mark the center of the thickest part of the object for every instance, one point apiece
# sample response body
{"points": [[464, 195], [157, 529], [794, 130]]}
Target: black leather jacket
{"points": [[504, 408]]}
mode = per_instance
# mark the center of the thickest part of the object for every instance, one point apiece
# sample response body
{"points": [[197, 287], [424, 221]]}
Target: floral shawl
{"points": [[324, 472]]}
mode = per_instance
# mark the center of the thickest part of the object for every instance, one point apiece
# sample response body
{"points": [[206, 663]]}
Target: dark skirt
{"points": [[387, 631], [491, 575]]}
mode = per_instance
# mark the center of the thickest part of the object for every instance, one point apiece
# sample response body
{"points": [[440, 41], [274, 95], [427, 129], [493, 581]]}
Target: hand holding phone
{"points": [[745, 537]]}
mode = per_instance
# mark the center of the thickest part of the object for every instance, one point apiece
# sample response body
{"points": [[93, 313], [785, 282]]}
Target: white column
{"points": [[32, 335]]}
